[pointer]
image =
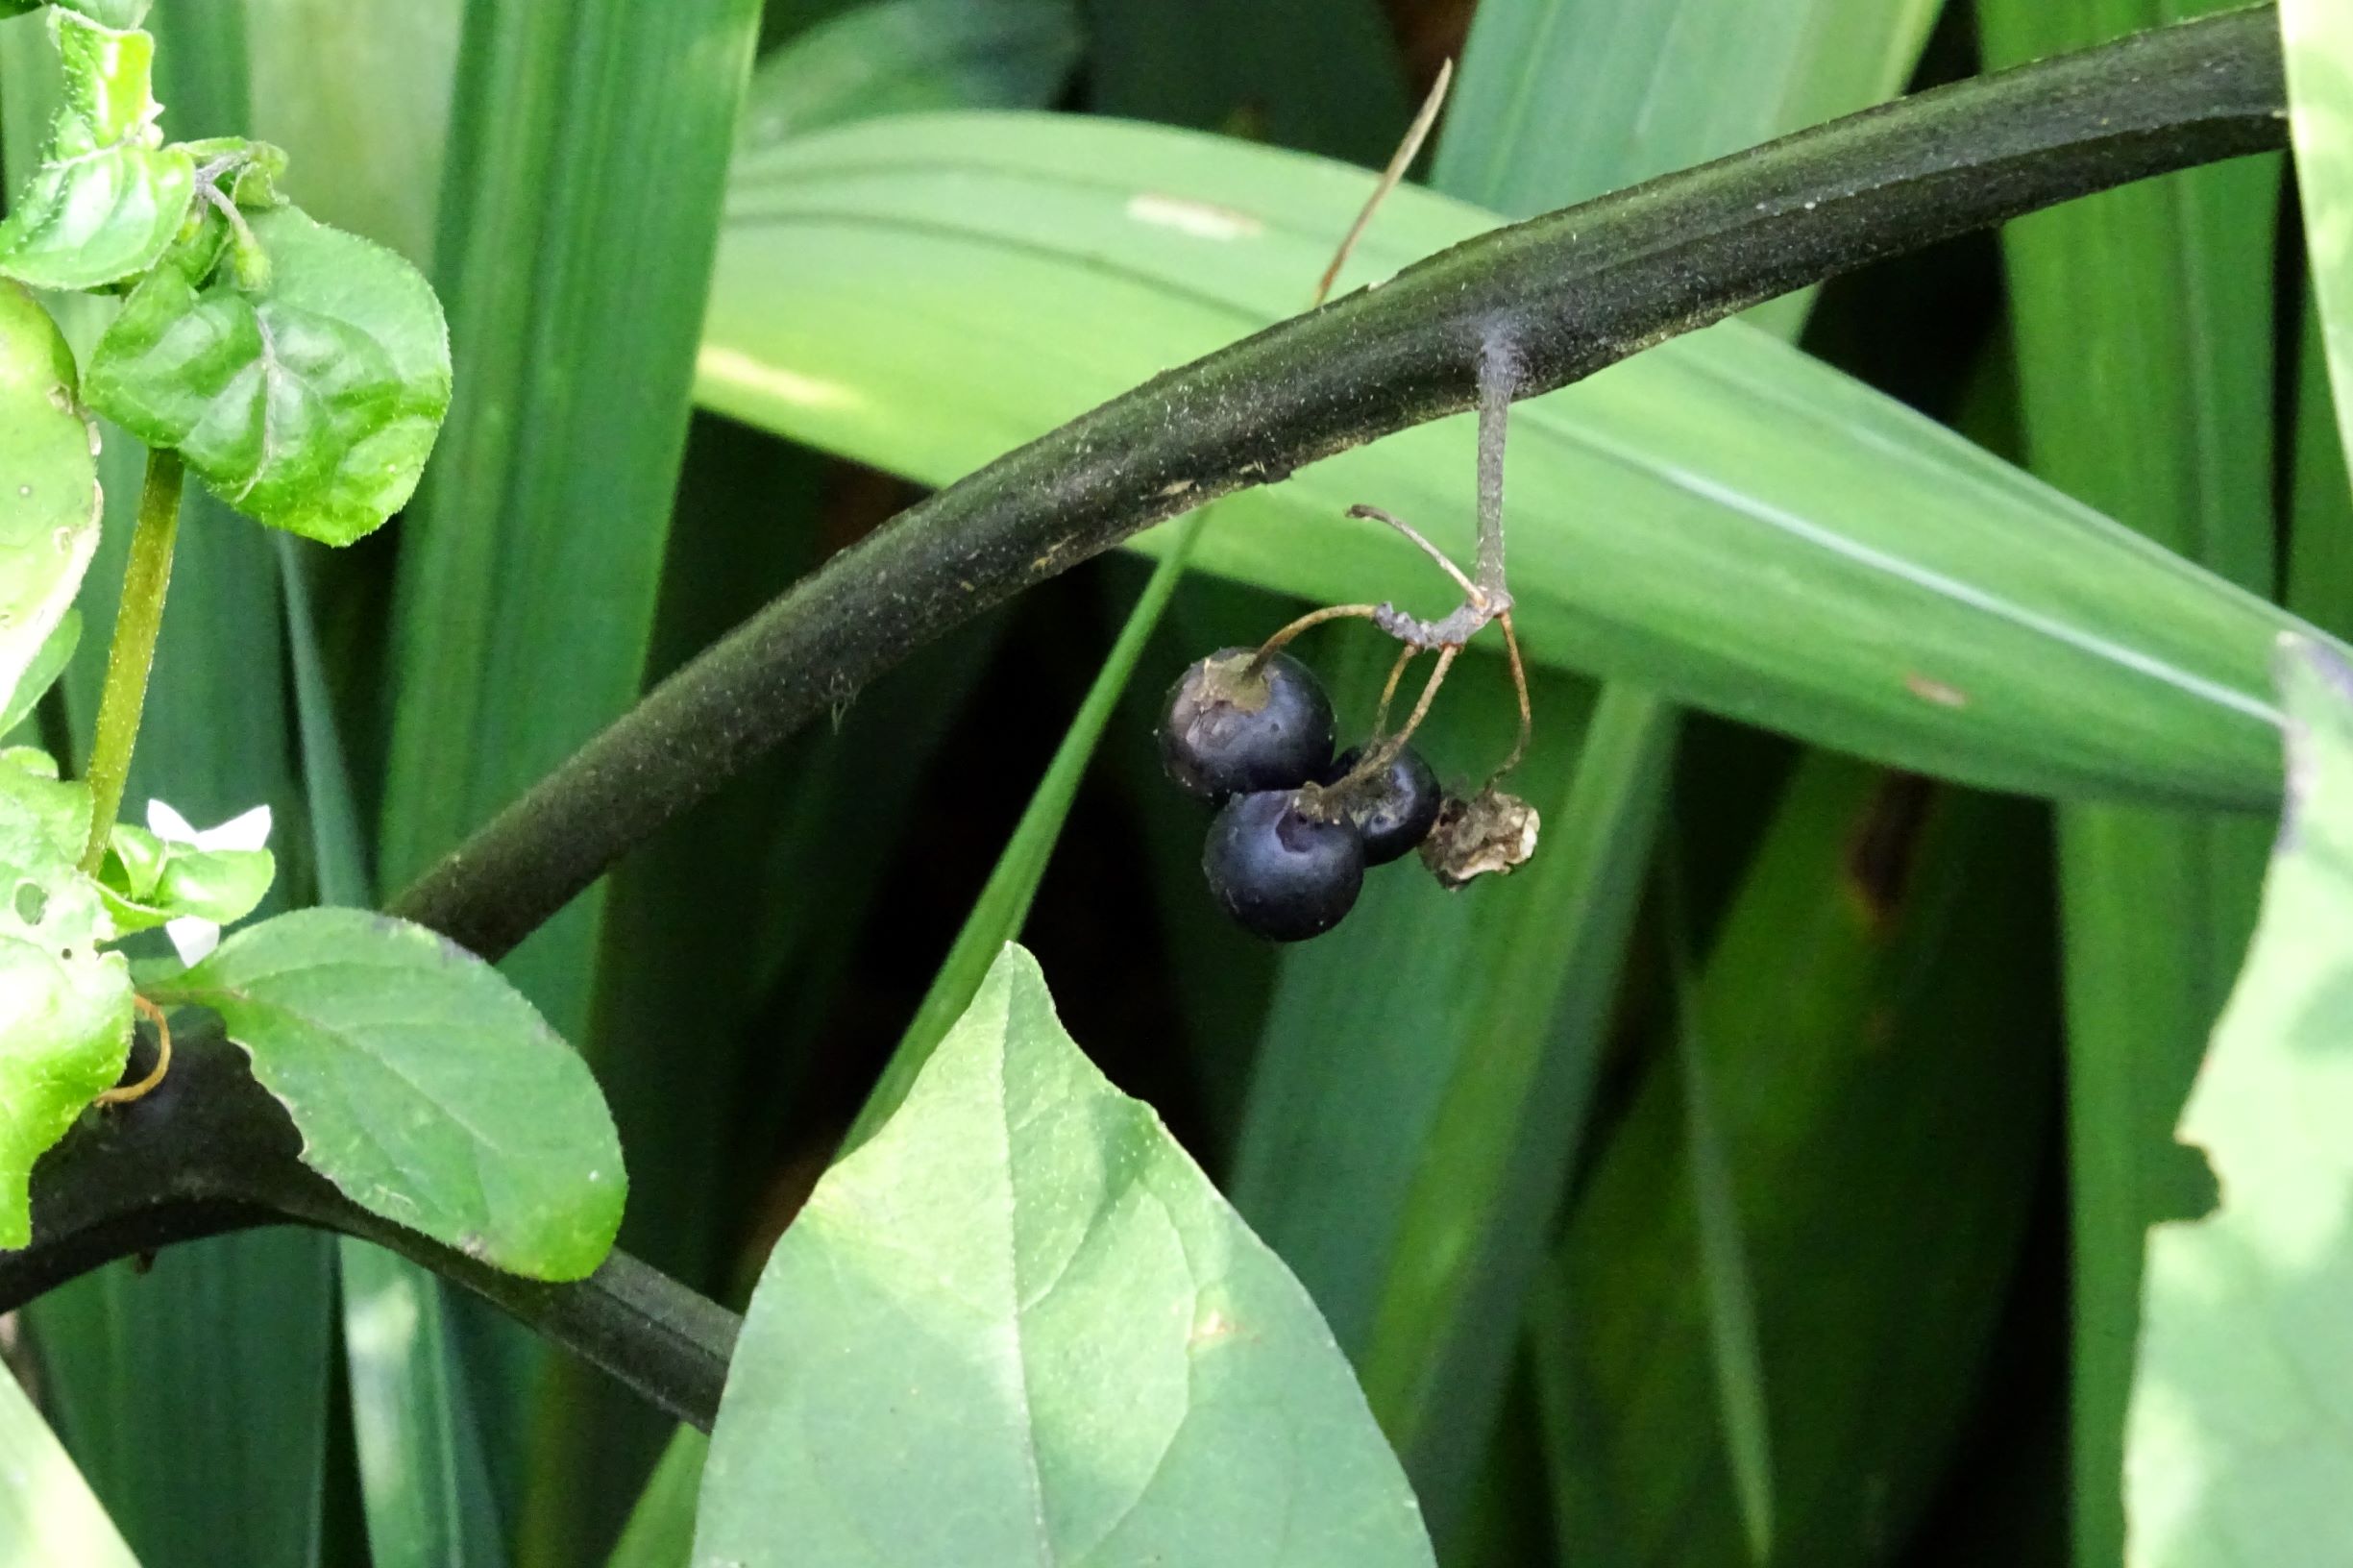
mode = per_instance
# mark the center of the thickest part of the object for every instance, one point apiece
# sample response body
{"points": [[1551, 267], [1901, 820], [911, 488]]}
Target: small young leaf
{"points": [[307, 398], [115, 13], [424, 1084], [48, 495], [1024, 1293], [108, 197], [64, 1007], [148, 881]]}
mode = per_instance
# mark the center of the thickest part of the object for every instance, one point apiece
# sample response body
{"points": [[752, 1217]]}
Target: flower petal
{"points": [[169, 825], [250, 830], [194, 939]]}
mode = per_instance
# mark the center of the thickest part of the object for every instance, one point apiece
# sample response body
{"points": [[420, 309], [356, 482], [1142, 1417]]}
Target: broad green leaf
{"points": [[108, 196], [424, 1087], [1723, 518], [2143, 323], [48, 1518], [49, 501], [1023, 1291], [2318, 39], [307, 399], [997, 915], [49, 662], [2239, 1448], [895, 56], [64, 1006]]}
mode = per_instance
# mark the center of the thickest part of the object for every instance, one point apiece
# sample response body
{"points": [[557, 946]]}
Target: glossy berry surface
{"points": [[1227, 732], [1393, 811], [1280, 872]]}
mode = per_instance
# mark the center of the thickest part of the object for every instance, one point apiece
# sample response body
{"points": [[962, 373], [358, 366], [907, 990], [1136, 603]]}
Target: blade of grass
{"points": [[425, 1492], [2318, 39], [997, 915], [1868, 1023], [662, 1528], [587, 155], [1723, 1266], [48, 1517], [2321, 498], [688, 970], [661, 1531], [2143, 323], [359, 98], [228, 1337]]}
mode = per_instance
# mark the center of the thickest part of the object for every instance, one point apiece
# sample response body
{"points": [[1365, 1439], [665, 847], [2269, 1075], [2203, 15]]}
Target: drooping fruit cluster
{"points": [[1295, 828]]}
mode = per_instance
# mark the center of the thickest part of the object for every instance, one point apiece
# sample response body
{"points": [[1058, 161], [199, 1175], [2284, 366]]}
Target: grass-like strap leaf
{"points": [[896, 57], [2318, 39], [48, 494], [424, 1086], [64, 1007], [308, 398], [2239, 1444], [1021, 1326], [108, 196], [1724, 519], [48, 1517]]}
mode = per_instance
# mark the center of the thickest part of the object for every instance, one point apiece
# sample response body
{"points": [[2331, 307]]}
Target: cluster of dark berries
{"points": [[1251, 732]]}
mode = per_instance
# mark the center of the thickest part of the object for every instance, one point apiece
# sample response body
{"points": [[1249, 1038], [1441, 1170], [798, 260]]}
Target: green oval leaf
{"points": [[49, 504], [108, 197], [2238, 1449], [425, 1087], [1722, 519], [1025, 1293], [307, 398], [64, 1007]]}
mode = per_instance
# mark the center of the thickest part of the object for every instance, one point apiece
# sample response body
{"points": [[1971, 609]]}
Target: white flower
{"points": [[193, 937]]}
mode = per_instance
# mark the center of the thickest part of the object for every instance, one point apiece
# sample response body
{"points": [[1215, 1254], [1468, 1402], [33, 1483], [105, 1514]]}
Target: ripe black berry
{"points": [[1280, 871], [1229, 732], [1393, 810]]}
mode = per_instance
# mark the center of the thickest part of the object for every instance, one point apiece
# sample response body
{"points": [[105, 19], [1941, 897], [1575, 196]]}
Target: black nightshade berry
{"points": [[1229, 732], [1279, 872], [1394, 810]]}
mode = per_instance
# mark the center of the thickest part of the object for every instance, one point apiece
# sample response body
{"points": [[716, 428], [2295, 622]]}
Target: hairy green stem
{"points": [[1565, 295], [132, 654]]}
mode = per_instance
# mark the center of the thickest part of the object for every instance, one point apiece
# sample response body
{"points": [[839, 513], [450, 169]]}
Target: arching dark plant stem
{"points": [[1568, 294]]}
